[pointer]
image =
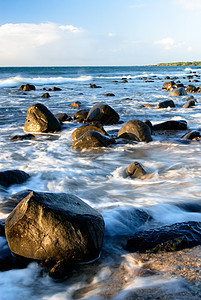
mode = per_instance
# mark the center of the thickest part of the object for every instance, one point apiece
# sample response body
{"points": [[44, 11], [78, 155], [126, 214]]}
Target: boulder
{"points": [[166, 238], [94, 86], [94, 126], [104, 114], [54, 227], [10, 177], [23, 137], [191, 89], [92, 139], [129, 136], [168, 85], [109, 95], [189, 104], [138, 128], [166, 104], [40, 119], [46, 95], [55, 89], [8, 204], [135, 170], [62, 117], [81, 115], [27, 87], [171, 125], [191, 135], [178, 92]]}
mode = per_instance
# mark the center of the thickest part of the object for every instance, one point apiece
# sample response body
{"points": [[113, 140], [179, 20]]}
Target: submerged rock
{"points": [[138, 128], [94, 126], [166, 238], [171, 125], [40, 119], [54, 227], [104, 114], [23, 137], [92, 139], [10, 177]]}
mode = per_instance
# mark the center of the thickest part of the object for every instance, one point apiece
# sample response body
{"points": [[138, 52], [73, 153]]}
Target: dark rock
{"points": [[191, 135], [75, 104], [148, 122], [189, 104], [138, 128], [109, 95], [92, 139], [55, 89], [2, 227], [81, 115], [27, 87], [171, 125], [8, 204], [129, 136], [135, 170], [103, 113], [168, 85], [40, 119], [62, 117], [166, 104], [191, 89], [124, 81], [55, 227], [22, 137], [166, 238], [61, 269], [94, 86], [94, 126], [46, 95], [178, 92], [10, 177]]}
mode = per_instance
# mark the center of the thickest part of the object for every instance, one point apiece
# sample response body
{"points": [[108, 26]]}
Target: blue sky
{"points": [[112, 32]]}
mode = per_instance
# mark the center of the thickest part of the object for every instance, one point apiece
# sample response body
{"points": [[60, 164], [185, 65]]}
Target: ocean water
{"points": [[97, 176]]}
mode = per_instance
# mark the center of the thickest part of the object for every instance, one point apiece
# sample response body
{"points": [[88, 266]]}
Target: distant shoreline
{"points": [[185, 63]]}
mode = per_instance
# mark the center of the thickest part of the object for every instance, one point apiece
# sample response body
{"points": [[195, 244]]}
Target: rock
{"points": [[191, 135], [171, 125], [55, 227], [55, 89], [168, 85], [81, 115], [191, 89], [75, 104], [103, 113], [8, 204], [2, 227], [129, 136], [40, 119], [62, 117], [124, 81], [178, 92], [10, 177], [148, 122], [166, 104], [27, 87], [61, 269], [92, 139], [109, 95], [16, 138], [94, 86], [166, 238], [138, 128], [46, 95], [189, 104], [94, 126], [135, 170]]}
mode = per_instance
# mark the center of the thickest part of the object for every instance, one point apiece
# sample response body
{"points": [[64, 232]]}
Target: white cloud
{"points": [[71, 28], [189, 4], [169, 43]]}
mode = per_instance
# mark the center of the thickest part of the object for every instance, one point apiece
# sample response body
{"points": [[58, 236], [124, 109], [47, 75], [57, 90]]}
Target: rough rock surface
{"points": [[135, 170], [104, 114], [94, 126], [138, 128], [10, 177], [92, 139]]}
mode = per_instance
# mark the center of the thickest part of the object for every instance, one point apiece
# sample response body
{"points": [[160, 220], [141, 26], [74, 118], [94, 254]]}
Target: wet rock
{"points": [[191, 135], [8, 204], [55, 89], [2, 228], [46, 95], [94, 86], [135, 170], [40, 119], [166, 104], [148, 122], [103, 113], [129, 136], [124, 81], [62, 117], [23, 137], [27, 87], [92, 139], [109, 95], [191, 89], [166, 238], [138, 128], [178, 92], [61, 269], [168, 85], [94, 126], [81, 115], [171, 125], [75, 104], [54, 227], [10, 177], [189, 104]]}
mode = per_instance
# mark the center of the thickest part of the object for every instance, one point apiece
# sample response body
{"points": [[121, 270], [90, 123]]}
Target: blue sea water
{"points": [[97, 177]]}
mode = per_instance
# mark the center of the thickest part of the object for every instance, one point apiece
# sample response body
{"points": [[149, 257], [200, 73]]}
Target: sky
{"points": [[94, 33]]}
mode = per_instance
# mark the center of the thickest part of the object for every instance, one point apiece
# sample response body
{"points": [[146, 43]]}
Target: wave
{"points": [[18, 80]]}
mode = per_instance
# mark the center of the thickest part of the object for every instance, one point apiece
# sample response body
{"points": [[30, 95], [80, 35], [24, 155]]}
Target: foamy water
{"points": [[97, 177]]}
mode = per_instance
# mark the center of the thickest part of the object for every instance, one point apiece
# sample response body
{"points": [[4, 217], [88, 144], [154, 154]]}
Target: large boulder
{"points": [[104, 114], [141, 130], [178, 92], [94, 126], [92, 139], [166, 238], [8, 204], [10, 177], [54, 227], [40, 119], [171, 125]]}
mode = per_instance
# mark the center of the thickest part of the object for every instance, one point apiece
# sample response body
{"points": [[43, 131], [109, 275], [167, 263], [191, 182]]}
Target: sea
{"points": [[97, 176]]}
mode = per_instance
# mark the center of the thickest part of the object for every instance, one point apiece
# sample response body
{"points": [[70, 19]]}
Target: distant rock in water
{"points": [[55, 89], [189, 104], [10, 177], [55, 227], [168, 85], [93, 126], [104, 114], [75, 104], [192, 135], [191, 89], [166, 238], [141, 130], [46, 95], [23, 137], [171, 125], [178, 92], [94, 86], [92, 139], [135, 170], [166, 104], [27, 87], [40, 119]]}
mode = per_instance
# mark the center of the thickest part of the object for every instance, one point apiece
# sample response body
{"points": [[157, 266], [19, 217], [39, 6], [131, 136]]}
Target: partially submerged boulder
{"points": [[92, 139], [94, 126], [168, 85], [189, 104], [104, 114], [62, 117], [191, 88], [171, 125], [23, 137], [135, 170], [192, 135], [166, 104], [138, 128], [27, 87], [10, 177], [40, 119], [81, 115], [178, 92], [54, 227]]}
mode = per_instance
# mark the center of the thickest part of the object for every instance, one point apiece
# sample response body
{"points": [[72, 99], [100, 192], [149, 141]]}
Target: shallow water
{"points": [[97, 176]]}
